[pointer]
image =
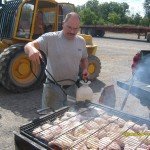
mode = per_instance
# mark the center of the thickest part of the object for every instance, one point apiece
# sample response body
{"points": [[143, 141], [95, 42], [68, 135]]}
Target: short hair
{"points": [[69, 15]]}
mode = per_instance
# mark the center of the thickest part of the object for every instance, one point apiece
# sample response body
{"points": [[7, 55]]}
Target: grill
{"points": [[85, 126]]}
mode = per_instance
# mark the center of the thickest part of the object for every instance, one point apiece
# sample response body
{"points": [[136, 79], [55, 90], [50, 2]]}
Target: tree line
{"points": [[113, 13]]}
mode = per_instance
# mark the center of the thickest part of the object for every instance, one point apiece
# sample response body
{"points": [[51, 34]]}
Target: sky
{"points": [[135, 6]]}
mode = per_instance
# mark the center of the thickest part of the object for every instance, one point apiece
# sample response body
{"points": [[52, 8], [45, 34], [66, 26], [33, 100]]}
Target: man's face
{"points": [[71, 28]]}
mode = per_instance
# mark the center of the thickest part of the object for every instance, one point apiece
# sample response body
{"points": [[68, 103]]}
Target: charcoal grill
{"points": [[89, 111]]}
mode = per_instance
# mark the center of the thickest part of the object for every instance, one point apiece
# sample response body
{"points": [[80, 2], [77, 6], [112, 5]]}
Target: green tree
{"points": [[147, 9], [114, 7], [116, 13], [93, 5], [88, 17], [137, 19], [145, 21], [130, 19], [114, 18]]}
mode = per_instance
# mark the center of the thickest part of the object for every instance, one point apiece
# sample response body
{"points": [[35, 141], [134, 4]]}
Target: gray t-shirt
{"points": [[63, 55]]}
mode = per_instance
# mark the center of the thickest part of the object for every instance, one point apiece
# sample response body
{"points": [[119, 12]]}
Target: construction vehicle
{"points": [[99, 30], [18, 25]]}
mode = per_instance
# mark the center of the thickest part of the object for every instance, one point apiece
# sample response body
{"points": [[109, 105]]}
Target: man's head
{"points": [[71, 25]]}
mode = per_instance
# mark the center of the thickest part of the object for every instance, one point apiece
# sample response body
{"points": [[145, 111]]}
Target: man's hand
{"points": [[35, 55], [85, 74], [32, 50], [84, 66]]}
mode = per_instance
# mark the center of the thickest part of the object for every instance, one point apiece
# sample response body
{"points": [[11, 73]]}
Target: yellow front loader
{"points": [[19, 24]]}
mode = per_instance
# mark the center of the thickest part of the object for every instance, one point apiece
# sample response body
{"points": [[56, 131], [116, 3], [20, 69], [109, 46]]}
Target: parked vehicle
{"points": [[99, 30], [141, 66], [18, 25]]}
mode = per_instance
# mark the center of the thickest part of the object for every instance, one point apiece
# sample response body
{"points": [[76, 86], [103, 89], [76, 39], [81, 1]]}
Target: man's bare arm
{"points": [[32, 49], [84, 66]]}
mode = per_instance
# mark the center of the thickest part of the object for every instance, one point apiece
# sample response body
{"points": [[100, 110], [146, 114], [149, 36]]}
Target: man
{"points": [[65, 51]]}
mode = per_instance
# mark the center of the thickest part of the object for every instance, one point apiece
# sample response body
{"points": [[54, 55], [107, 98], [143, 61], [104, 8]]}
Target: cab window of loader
{"points": [[49, 21], [44, 22], [24, 25]]}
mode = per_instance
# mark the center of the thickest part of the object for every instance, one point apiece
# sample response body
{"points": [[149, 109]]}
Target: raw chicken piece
{"points": [[74, 119], [75, 124], [138, 128], [99, 111], [92, 143], [112, 134], [128, 125], [107, 144], [112, 119], [46, 135], [56, 121], [113, 127], [121, 122], [64, 118], [144, 147], [104, 142], [100, 121], [36, 131], [131, 141], [80, 131], [70, 127], [147, 140], [119, 141], [56, 130], [70, 114], [91, 125], [65, 124], [46, 126], [63, 142], [79, 146], [114, 146], [128, 147], [101, 134], [70, 135]]}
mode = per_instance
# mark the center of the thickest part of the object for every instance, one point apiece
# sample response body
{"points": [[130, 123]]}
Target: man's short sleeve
{"points": [[44, 40]]}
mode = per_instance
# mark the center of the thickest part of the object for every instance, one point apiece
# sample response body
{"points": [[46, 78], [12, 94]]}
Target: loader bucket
{"points": [[91, 49]]}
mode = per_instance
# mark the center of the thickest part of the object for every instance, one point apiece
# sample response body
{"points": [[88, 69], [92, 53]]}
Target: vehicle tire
{"points": [[90, 32], [148, 37], [100, 33], [94, 67], [16, 74]]}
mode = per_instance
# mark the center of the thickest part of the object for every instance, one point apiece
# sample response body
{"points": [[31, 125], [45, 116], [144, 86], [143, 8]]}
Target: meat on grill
{"points": [[101, 132]]}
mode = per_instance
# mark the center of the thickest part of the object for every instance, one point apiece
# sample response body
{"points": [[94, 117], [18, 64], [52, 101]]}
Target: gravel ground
{"points": [[115, 52]]}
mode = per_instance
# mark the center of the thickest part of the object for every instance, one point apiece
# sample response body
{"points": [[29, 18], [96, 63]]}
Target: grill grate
{"points": [[82, 129]]}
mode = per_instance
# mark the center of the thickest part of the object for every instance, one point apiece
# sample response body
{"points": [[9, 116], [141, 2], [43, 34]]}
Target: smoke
{"points": [[140, 82], [142, 72]]}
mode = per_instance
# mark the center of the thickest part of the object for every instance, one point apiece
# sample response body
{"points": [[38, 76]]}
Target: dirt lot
{"points": [[116, 56]]}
